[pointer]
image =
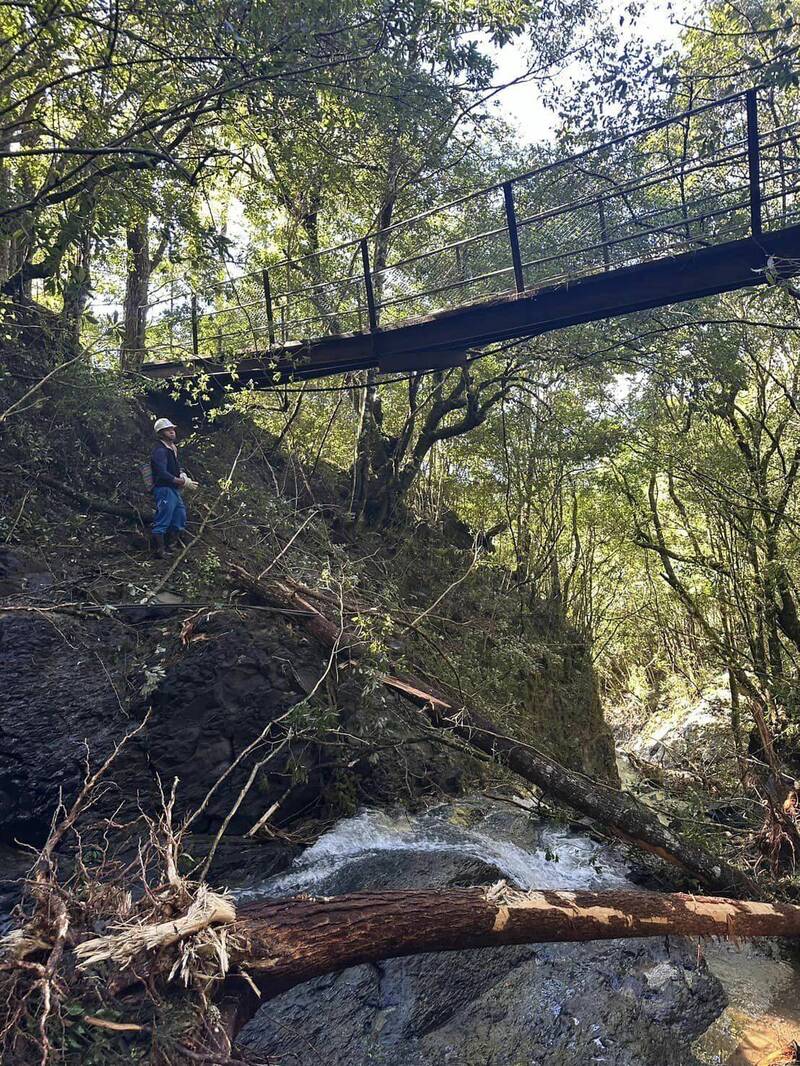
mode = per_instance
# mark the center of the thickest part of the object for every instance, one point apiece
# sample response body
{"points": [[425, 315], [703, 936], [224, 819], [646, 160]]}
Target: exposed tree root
{"points": [[207, 910]]}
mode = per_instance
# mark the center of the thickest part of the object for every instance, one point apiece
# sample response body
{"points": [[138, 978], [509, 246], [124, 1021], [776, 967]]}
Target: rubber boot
{"points": [[170, 541], [157, 545]]}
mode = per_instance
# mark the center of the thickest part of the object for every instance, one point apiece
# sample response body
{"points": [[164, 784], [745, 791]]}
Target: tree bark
{"points": [[624, 816], [136, 291], [283, 943]]}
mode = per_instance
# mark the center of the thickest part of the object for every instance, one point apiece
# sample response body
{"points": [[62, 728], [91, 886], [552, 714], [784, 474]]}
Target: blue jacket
{"points": [[165, 467]]}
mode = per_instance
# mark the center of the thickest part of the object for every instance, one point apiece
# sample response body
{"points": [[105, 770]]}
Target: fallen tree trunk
{"points": [[294, 597], [273, 945], [286, 942], [618, 811], [280, 944], [91, 503], [624, 816]]}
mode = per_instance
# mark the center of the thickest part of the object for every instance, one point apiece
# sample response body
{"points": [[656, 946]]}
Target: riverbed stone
{"points": [[621, 1002]]}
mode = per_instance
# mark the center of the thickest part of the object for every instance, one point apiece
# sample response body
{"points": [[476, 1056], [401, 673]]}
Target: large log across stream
{"points": [[286, 942], [279, 944], [622, 814]]}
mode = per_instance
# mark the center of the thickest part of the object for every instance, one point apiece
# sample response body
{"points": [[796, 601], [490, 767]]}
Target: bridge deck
{"points": [[688, 207], [442, 339]]}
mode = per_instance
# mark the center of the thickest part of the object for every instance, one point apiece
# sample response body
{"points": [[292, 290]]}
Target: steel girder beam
{"points": [[441, 340]]}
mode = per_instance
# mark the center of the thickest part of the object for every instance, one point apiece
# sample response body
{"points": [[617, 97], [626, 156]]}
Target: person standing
{"points": [[168, 480]]}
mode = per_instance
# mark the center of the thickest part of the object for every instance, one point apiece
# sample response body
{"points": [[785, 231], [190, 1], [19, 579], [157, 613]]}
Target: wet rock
{"points": [[554, 1005], [236, 855], [56, 703], [232, 681], [625, 1003], [209, 698], [15, 864], [12, 573]]}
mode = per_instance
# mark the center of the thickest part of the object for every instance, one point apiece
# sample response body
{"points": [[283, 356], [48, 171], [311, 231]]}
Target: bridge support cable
{"points": [[601, 213]]}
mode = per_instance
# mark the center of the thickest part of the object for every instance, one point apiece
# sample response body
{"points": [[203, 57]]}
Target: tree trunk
{"points": [[78, 288], [623, 815], [371, 474], [283, 943], [136, 292]]}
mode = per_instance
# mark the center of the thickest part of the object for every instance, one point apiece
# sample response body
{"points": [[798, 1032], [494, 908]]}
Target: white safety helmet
{"points": [[163, 423]]}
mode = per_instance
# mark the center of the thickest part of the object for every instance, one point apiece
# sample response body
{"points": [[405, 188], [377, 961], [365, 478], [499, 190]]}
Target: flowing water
{"points": [[479, 841], [544, 857], [763, 1012]]}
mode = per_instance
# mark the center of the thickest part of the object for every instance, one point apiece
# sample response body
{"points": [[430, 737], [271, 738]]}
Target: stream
{"points": [[653, 1002], [376, 848]]}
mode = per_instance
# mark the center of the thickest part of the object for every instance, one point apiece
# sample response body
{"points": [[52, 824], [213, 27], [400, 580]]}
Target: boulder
{"points": [[624, 1003], [690, 732]]}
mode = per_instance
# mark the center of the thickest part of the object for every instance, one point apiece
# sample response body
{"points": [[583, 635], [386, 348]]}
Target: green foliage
{"points": [[81, 1042], [641, 474], [340, 795]]}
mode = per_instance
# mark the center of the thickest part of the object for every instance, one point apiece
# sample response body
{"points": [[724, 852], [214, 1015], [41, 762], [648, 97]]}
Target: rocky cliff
{"points": [[86, 648]]}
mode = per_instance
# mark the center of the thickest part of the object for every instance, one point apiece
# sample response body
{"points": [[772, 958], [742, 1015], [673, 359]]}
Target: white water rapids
{"points": [[526, 853]]}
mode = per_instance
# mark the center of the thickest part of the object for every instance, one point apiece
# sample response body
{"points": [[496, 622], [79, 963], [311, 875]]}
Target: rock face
{"points": [[624, 1003], [215, 697], [554, 1006], [690, 731], [211, 695], [564, 709], [56, 704], [234, 681]]}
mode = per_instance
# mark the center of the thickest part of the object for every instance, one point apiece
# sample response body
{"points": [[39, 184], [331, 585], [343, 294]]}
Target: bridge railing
{"points": [[717, 172]]}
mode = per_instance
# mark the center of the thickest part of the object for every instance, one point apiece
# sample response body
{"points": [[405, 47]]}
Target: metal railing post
{"points": [[268, 302], [601, 211], [195, 339], [754, 163], [370, 292], [359, 308], [513, 235], [462, 269]]}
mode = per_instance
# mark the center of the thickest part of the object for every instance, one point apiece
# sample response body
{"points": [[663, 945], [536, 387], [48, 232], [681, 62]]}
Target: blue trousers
{"points": [[170, 510]]}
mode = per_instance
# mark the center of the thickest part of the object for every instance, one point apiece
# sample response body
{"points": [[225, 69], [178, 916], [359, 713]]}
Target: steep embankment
{"points": [[94, 632]]}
